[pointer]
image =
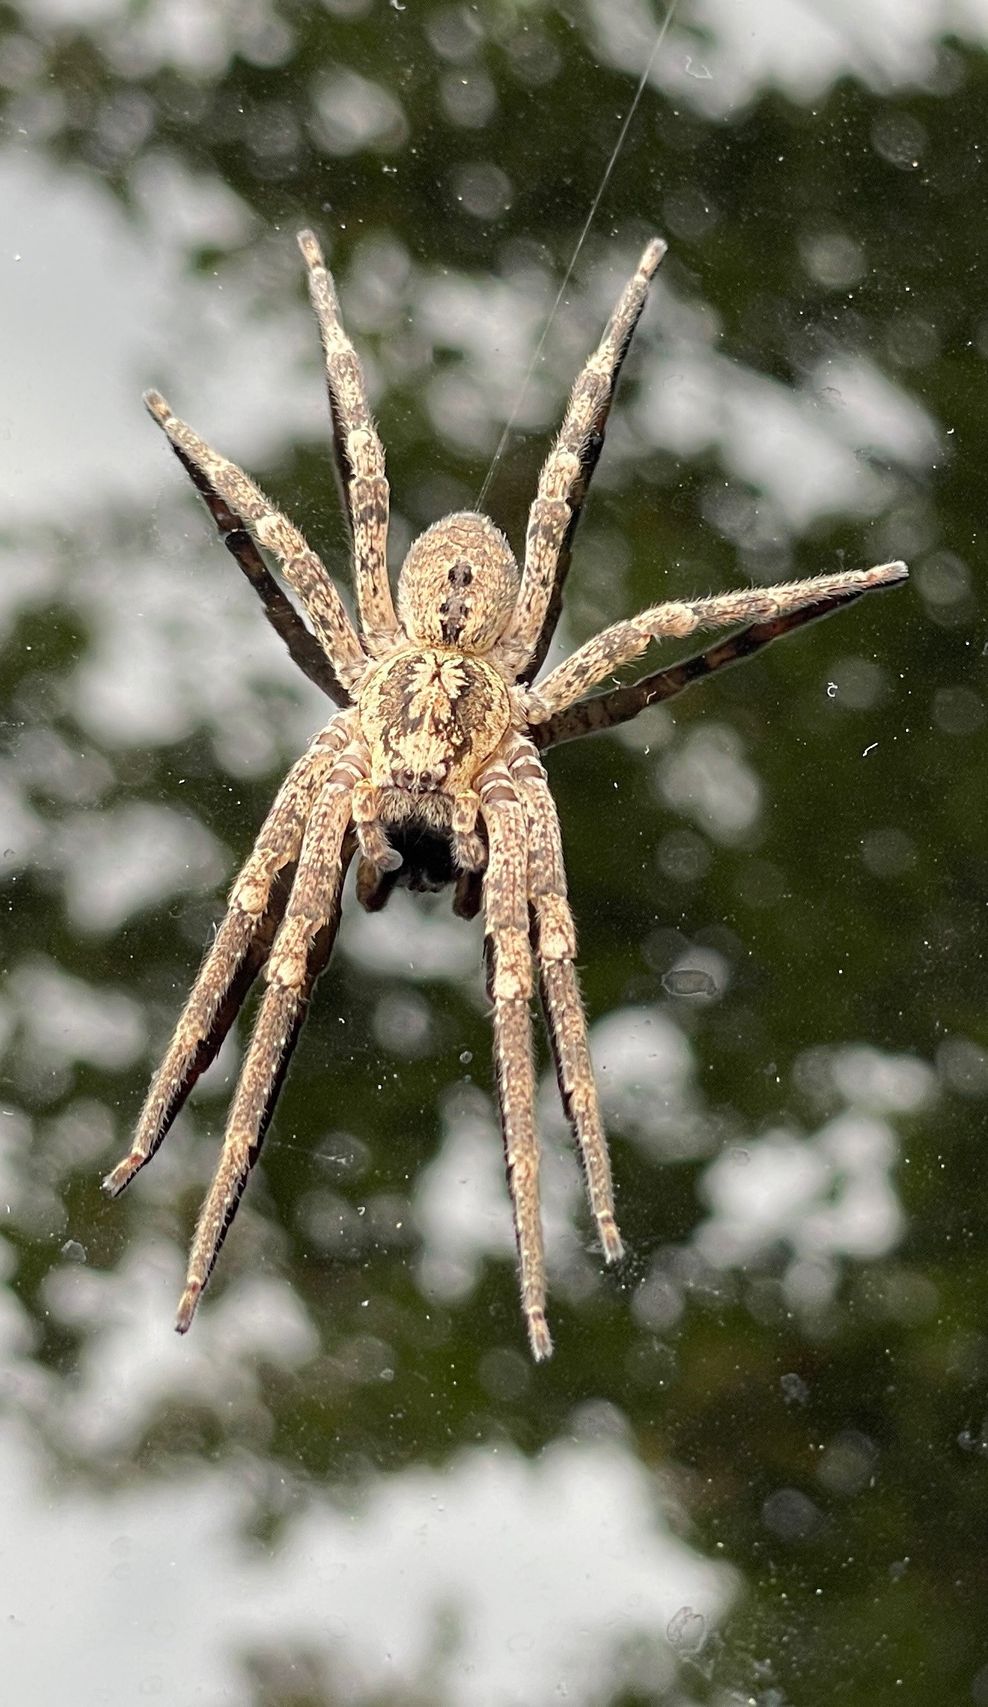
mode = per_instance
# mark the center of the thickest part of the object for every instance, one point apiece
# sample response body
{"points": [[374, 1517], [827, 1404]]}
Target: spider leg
{"points": [[615, 646], [509, 963], [300, 952], [303, 647], [468, 894], [239, 950], [621, 704], [566, 476], [555, 949], [302, 569], [359, 455]]}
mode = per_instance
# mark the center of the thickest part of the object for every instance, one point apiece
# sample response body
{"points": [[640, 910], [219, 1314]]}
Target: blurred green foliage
{"points": [[851, 911]]}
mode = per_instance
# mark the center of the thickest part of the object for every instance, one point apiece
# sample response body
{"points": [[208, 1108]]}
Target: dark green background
{"points": [[850, 914]]}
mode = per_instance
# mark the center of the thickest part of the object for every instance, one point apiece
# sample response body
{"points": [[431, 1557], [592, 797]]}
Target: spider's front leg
{"points": [[359, 455], [303, 647], [566, 476], [302, 569], [510, 984]]}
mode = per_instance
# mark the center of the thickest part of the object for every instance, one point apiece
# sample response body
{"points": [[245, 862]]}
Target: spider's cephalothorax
{"points": [[430, 771], [434, 709]]}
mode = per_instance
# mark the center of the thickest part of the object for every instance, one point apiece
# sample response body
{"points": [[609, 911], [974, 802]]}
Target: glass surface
{"points": [[756, 1468]]}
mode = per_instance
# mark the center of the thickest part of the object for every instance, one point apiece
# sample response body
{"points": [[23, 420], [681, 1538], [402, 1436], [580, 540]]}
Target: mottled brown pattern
{"points": [[459, 584], [677, 619], [555, 945], [303, 647], [621, 704], [510, 988], [278, 845], [360, 454], [431, 717], [568, 469], [432, 775]]}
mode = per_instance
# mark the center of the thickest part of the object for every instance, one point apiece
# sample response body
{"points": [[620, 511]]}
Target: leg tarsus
{"points": [[539, 1337], [188, 1304]]}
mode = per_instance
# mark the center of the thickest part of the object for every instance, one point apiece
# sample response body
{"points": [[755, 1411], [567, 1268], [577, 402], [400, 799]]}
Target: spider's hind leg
{"points": [[240, 948], [301, 949], [509, 964], [555, 945], [677, 618]]}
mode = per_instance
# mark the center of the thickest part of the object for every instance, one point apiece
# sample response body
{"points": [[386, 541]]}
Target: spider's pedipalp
{"points": [[566, 477], [302, 569], [677, 618], [301, 949], [375, 846], [359, 454], [510, 984], [237, 954], [555, 949]]}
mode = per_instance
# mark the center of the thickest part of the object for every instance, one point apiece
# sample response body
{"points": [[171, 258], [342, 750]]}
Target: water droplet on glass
{"points": [[688, 981], [794, 1389], [686, 1630]]}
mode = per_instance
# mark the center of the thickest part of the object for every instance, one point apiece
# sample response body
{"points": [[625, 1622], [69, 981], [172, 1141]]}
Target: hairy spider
{"points": [[430, 771]]}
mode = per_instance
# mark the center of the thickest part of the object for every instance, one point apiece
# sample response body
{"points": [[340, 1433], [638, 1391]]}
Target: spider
{"points": [[429, 771]]}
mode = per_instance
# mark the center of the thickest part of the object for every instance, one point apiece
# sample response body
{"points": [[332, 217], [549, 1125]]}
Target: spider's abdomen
{"points": [[430, 719]]}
